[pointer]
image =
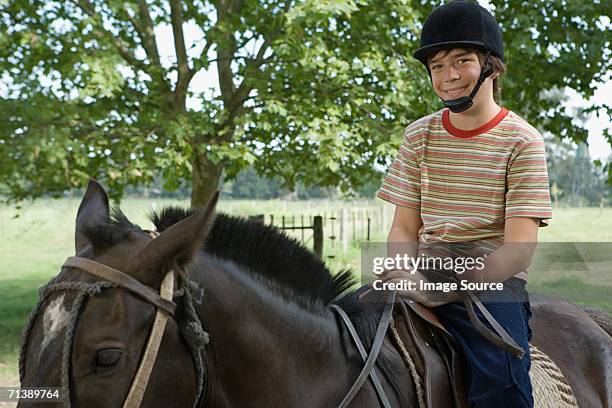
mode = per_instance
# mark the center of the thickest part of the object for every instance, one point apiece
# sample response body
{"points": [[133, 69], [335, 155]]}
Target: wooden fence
{"points": [[337, 229]]}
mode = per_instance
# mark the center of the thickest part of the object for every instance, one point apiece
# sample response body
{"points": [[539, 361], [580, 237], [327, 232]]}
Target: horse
{"points": [[252, 326]]}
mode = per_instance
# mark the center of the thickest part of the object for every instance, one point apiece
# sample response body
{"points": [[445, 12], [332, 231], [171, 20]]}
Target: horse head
{"points": [[87, 335]]}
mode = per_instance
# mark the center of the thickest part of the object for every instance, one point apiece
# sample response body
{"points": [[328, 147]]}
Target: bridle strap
{"points": [[113, 275], [141, 379], [500, 337], [163, 303], [370, 361]]}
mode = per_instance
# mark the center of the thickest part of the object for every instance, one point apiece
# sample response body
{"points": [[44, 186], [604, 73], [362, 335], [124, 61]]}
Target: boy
{"points": [[472, 172]]}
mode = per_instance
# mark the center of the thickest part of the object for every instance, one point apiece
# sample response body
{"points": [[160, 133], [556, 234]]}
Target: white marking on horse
{"points": [[55, 319]]}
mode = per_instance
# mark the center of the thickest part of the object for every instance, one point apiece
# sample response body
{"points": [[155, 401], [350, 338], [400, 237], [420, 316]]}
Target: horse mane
{"points": [[268, 253]]}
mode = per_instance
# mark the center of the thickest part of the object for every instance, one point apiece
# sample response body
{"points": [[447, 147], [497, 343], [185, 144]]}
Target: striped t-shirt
{"points": [[467, 183]]}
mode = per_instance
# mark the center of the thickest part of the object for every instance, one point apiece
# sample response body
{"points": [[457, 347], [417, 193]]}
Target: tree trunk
{"points": [[205, 180]]}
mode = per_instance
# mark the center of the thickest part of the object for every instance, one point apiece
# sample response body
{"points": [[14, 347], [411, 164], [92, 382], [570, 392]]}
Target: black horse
{"points": [[253, 328]]}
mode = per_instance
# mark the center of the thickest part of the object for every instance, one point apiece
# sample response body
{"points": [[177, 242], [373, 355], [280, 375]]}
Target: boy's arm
{"points": [[514, 256], [403, 235]]}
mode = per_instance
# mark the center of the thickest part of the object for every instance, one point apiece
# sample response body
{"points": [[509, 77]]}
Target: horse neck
{"points": [[264, 348]]}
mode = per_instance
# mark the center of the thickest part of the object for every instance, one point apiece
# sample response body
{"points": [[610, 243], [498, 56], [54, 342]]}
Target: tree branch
{"points": [[205, 50], [225, 51], [148, 33], [233, 98], [184, 73], [245, 41], [134, 22], [252, 65]]}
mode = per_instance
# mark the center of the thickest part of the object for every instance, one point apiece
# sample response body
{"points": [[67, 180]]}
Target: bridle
{"points": [[112, 278], [165, 308]]}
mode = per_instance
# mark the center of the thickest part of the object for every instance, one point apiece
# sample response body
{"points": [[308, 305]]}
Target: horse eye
{"points": [[108, 357]]}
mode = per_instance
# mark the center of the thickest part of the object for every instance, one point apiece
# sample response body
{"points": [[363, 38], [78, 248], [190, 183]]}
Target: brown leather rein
{"points": [[368, 359], [498, 336]]}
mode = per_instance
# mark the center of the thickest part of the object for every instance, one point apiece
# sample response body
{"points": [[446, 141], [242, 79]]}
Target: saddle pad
{"points": [[550, 388]]}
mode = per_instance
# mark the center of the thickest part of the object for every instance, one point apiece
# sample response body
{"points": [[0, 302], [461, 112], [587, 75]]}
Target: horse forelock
{"points": [[103, 236], [289, 268]]}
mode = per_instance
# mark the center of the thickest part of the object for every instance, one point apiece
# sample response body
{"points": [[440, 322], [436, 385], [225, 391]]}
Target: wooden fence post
{"points": [[317, 230], [302, 225]]}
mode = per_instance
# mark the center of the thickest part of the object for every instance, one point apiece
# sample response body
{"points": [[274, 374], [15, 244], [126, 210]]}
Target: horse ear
{"points": [[94, 210], [178, 244]]}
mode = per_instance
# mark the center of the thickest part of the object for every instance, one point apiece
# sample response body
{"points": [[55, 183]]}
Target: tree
{"points": [[311, 91]]}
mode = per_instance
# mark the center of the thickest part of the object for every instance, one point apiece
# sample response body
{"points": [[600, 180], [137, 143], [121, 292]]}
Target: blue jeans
{"points": [[495, 378]]}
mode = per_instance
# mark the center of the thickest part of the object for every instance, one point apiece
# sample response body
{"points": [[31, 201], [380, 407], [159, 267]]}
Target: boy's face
{"points": [[454, 74]]}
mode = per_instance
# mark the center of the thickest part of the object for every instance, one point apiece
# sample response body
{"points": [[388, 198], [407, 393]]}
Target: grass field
{"points": [[37, 238]]}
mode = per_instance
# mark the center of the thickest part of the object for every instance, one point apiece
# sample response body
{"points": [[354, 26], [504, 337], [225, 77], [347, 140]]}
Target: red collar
{"points": [[473, 132]]}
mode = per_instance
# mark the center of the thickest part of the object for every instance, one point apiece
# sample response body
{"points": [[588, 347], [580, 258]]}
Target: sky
{"points": [[598, 146]]}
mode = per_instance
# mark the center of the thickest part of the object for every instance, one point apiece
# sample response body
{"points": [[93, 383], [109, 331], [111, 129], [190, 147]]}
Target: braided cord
{"points": [[194, 335], [83, 289], [192, 330], [25, 334], [408, 360]]}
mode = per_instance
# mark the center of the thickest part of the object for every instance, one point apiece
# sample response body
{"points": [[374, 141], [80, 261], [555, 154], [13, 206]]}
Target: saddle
{"points": [[438, 361], [429, 350], [417, 332]]}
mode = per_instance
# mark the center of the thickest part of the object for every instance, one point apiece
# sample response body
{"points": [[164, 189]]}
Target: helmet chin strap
{"points": [[465, 102]]}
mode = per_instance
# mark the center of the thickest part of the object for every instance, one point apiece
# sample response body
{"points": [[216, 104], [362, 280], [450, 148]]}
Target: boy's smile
{"points": [[456, 92]]}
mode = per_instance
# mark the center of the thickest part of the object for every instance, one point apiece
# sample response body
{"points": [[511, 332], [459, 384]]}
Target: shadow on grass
{"points": [[17, 299], [573, 289]]}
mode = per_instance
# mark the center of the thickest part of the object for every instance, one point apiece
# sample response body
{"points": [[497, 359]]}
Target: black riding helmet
{"points": [[461, 24]]}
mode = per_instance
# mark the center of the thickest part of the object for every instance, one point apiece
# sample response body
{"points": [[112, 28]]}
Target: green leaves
{"points": [[105, 78]]}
